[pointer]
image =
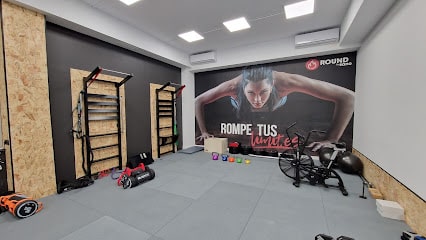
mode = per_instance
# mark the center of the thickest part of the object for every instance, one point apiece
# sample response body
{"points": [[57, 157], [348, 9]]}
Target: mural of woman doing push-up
{"points": [[255, 104]]}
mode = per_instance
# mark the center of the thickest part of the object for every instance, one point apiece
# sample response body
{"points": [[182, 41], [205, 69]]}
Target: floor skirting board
{"points": [[393, 190]]}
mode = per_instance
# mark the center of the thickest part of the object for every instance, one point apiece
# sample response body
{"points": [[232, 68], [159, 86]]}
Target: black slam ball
{"points": [[325, 154], [349, 163]]}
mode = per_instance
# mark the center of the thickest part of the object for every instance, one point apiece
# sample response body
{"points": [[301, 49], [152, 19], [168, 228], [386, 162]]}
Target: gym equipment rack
{"points": [[102, 107], [166, 109]]}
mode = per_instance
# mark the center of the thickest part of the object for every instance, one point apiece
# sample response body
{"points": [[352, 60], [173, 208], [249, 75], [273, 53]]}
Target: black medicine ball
{"points": [[349, 163]]}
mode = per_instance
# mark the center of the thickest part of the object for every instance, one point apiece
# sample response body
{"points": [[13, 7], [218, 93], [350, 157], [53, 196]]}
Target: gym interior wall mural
{"points": [[253, 105]]}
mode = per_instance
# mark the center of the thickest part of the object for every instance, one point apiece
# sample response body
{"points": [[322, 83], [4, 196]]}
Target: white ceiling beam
{"points": [[357, 24]]}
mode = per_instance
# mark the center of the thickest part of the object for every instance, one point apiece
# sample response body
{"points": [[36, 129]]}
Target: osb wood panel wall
{"points": [[28, 95], [392, 190], [99, 127], [164, 122], [4, 119]]}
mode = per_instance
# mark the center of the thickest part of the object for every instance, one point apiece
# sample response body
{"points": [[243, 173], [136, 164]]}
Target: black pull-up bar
{"points": [[164, 86], [122, 73], [94, 74], [125, 80], [174, 84]]}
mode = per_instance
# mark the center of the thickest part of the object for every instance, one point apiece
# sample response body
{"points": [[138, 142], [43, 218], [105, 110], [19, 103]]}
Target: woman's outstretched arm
{"points": [[342, 98], [228, 88]]}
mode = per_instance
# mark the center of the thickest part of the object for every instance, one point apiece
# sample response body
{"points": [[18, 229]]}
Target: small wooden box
{"points": [[218, 145], [375, 193]]}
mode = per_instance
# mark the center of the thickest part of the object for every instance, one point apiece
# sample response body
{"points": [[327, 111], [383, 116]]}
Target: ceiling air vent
{"points": [[317, 38]]}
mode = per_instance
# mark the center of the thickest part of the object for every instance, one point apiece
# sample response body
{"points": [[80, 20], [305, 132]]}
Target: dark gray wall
{"points": [[68, 49]]}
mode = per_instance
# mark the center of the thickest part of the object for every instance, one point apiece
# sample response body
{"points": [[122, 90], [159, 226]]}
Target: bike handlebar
{"points": [[286, 130], [317, 131], [292, 125], [300, 136]]}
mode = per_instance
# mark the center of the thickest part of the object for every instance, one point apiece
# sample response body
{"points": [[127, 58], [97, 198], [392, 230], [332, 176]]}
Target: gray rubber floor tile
{"points": [[107, 228], [59, 217], [207, 222], [194, 197], [232, 196], [290, 209], [189, 186], [267, 229]]}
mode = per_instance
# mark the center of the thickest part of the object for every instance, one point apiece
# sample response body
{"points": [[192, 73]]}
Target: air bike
{"points": [[295, 163]]}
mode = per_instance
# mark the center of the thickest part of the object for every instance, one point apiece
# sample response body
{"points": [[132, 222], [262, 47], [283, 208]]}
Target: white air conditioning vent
{"points": [[317, 38], [200, 58]]}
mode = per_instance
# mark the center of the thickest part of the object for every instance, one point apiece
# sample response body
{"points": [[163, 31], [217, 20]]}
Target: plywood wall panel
{"points": [[28, 96], [99, 127], [391, 189]]}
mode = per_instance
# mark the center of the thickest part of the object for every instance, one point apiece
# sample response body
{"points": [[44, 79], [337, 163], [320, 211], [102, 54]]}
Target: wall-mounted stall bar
{"points": [[167, 134], [102, 119]]}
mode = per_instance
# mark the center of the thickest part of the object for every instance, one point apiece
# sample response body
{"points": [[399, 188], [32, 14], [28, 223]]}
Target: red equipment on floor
{"points": [[131, 177], [128, 172]]}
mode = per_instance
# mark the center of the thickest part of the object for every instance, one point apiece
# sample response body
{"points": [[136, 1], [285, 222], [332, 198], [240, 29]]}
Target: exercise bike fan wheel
{"points": [[288, 163]]}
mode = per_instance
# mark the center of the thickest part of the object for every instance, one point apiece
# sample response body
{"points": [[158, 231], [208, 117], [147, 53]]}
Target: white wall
{"points": [[390, 108], [188, 112]]}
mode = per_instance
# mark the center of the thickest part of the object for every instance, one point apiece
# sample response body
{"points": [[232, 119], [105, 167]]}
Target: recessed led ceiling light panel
{"points": [[129, 2], [299, 9], [236, 24], [191, 36]]}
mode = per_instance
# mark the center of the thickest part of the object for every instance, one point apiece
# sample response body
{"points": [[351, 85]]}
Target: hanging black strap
{"points": [[77, 131]]}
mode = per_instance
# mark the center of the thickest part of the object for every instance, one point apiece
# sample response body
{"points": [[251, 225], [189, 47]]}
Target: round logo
{"points": [[26, 209], [312, 64]]}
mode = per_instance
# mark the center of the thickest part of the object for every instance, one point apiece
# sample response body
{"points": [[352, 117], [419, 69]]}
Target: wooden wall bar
{"points": [[101, 126], [164, 122]]}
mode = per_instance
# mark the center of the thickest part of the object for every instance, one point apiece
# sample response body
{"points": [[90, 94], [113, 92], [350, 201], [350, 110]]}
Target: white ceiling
{"points": [[165, 19], [150, 27]]}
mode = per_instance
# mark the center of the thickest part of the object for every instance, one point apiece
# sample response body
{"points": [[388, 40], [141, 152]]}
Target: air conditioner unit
{"points": [[200, 58], [316, 38]]}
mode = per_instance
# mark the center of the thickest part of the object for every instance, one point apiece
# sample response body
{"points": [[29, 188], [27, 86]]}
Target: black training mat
{"points": [[192, 149]]}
